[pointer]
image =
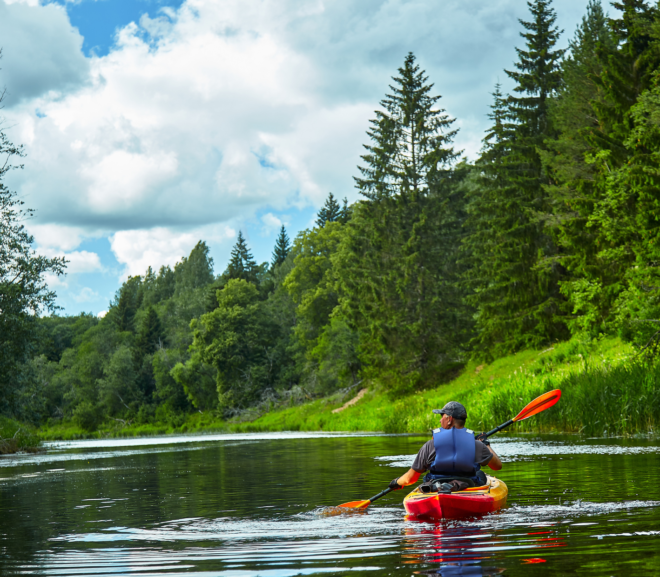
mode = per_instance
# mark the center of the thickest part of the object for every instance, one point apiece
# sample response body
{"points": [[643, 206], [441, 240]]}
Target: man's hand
{"points": [[482, 437], [394, 485]]}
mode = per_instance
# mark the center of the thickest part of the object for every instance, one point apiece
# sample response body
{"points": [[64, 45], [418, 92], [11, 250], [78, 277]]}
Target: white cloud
{"points": [[101, 314], [86, 295], [139, 249], [271, 224], [82, 261], [198, 120], [56, 237], [41, 51]]}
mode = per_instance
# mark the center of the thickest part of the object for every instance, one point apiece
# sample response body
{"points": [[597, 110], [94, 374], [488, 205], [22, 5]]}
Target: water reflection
{"points": [[238, 507]]}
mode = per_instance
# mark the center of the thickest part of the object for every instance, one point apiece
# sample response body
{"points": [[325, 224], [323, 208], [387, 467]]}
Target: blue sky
{"points": [[150, 125]]}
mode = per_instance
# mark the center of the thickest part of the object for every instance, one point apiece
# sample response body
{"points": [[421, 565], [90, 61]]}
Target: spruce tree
{"points": [[517, 294], [242, 264], [345, 212], [596, 206], [573, 191], [409, 137], [330, 212], [397, 263], [282, 248]]}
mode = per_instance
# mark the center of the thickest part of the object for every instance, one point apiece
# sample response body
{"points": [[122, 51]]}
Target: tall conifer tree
{"points": [[397, 264], [330, 212], [242, 264], [282, 248], [518, 300]]}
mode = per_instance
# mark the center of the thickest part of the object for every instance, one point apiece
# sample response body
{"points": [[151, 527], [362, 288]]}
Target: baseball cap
{"points": [[453, 409]]}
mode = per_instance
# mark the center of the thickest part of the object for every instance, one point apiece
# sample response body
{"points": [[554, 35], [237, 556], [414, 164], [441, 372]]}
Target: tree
{"points": [[330, 212], [242, 264], [282, 248], [573, 191], [127, 302], [193, 271], [24, 293], [237, 340], [516, 272], [397, 267], [149, 340], [409, 137]]}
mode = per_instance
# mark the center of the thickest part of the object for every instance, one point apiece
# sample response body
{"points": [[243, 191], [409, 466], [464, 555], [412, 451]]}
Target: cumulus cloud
{"points": [[42, 52], [271, 224], [86, 295], [216, 111], [139, 249]]}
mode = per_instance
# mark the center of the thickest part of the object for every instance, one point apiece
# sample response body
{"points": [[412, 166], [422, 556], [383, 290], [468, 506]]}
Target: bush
{"points": [[87, 416]]}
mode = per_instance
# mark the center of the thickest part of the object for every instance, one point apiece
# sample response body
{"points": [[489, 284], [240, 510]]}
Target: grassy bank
{"points": [[606, 391], [15, 437]]}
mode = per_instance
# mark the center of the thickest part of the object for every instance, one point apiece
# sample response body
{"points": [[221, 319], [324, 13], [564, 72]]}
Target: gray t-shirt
{"points": [[426, 456]]}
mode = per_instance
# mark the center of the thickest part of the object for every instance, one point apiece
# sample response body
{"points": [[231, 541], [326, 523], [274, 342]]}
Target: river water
{"points": [[247, 505]]}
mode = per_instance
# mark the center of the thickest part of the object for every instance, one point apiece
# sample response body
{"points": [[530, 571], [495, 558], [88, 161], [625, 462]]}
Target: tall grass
{"points": [[599, 400], [604, 392]]}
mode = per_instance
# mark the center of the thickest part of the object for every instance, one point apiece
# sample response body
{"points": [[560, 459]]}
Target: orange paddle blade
{"points": [[538, 405], [356, 504]]}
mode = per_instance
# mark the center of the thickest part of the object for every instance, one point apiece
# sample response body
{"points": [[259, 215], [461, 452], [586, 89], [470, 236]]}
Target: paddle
{"points": [[538, 405], [364, 504]]}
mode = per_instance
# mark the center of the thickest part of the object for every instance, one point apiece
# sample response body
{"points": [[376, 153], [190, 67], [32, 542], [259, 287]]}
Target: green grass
{"points": [[15, 437], [605, 391]]}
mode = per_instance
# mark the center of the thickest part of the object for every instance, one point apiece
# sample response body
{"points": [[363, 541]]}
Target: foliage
{"points": [[398, 266], [237, 340], [24, 293], [515, 281], [282, 248]]}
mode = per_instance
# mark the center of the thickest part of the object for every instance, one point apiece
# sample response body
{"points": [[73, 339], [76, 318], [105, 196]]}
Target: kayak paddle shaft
{"points": [[498, 429], [381, 494]]}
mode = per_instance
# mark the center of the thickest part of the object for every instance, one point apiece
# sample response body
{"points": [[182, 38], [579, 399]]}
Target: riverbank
{"points": [[16, 437], [606, 391]]}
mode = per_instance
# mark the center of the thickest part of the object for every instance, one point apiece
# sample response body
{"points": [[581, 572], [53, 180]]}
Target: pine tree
{"points": [[408, 153], [242, 264], [330, 212], [574, 192], [397, 263], [345, 212], [517, 291], [150, 337], [127, 302], [193, 271], [282, 248]]}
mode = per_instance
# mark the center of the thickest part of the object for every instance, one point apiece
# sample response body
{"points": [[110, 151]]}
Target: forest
{"points": [[551, 234]]}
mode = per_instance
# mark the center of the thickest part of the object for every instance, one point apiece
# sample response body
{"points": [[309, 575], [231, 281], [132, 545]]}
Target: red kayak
{"points": [[471, 502]]}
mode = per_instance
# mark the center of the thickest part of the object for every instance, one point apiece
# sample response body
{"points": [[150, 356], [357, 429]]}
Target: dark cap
{"points": [[453, 409]]}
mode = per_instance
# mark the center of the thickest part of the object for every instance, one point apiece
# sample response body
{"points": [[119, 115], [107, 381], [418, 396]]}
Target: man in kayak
{"points": [[452, 452]]}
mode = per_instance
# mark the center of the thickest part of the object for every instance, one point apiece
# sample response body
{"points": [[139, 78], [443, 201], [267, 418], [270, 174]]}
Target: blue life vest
{"points": [[455, 453]]}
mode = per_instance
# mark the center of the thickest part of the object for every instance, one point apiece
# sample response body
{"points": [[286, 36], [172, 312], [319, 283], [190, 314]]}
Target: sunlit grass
{"points": [[15, 437], [605, 391]]}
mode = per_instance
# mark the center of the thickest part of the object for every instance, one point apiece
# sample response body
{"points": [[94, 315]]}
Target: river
{"points": [[255, 504]]}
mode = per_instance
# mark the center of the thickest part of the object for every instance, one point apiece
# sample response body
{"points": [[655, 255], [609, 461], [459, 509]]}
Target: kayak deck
{"points": [[468, 503]]}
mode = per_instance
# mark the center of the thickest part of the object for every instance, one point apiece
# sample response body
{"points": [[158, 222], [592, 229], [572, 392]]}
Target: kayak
{"points": [[460, 504]]}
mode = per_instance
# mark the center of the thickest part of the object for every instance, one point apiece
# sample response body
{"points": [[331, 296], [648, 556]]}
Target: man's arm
{"points": [[406, 479], [495, 464]]}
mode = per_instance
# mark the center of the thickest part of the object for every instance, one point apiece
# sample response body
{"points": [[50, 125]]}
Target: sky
{"points": [[151, 124]]}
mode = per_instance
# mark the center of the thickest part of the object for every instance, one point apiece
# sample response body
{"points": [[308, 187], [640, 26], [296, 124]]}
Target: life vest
{"points": [[455, 453]]}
